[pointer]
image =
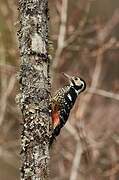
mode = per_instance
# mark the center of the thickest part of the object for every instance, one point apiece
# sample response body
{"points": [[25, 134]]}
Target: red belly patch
{"points": [[55, 119]]}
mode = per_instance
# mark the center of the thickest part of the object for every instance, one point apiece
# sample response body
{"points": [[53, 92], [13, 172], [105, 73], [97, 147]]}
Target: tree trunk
{"points": [[35, 88]]}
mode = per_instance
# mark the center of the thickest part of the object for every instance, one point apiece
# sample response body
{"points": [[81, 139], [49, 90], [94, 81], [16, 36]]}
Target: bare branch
{"points": [[95, 77], [104, 93], [104, 33], [76, 162], [3, 102], [62, 33], [82, 23], [72, 131], [94, 83]]}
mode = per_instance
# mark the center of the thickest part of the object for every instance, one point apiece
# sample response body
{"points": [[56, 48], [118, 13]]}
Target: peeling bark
{"points": [[35, 88]]}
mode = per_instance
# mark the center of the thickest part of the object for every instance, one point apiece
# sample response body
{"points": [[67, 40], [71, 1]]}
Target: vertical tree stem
{"points": [[35, 88]]}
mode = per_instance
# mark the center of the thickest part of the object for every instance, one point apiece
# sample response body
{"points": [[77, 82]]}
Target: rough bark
{"points": [[35, 88]]}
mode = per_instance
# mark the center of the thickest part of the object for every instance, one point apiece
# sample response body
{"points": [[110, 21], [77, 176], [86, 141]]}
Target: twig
{"points": [[82, 23], [104, 33], [94, 83], [4, 98], [62, 33], [76, 162], [104, 93], [3, 61], [95, 77], [72, 131]]}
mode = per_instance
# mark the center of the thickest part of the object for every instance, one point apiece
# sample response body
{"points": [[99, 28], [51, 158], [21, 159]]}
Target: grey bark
{"points": [[35, 88]]}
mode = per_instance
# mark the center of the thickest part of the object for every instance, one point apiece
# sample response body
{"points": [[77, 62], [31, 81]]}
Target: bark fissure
{"points": [[35, 88]]}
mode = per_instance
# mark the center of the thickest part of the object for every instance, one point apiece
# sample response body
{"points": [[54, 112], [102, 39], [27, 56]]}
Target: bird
{"points": [[63, 101]]}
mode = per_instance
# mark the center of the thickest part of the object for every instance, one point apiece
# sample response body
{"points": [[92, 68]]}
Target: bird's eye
{"points": [[76, 78]]}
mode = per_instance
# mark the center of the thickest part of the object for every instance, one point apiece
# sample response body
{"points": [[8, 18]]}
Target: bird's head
{"points": [[76, 82]]}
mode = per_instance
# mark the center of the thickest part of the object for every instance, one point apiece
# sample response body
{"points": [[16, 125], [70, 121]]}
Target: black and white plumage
{"points": [[63, 101]]}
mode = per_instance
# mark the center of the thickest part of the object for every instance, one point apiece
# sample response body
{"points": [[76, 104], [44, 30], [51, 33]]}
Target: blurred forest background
{"points": [[85, 35]]}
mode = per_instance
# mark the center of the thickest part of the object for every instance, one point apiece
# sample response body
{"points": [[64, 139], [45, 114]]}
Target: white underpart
{"points": [[69, 96], [38, 45]]}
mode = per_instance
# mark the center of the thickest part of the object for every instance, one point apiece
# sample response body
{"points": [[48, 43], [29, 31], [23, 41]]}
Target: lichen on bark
{"points": [[35, 88]]}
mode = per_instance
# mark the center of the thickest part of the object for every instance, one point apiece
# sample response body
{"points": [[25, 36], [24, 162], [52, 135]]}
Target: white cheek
{"points": [[79, 83]]}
